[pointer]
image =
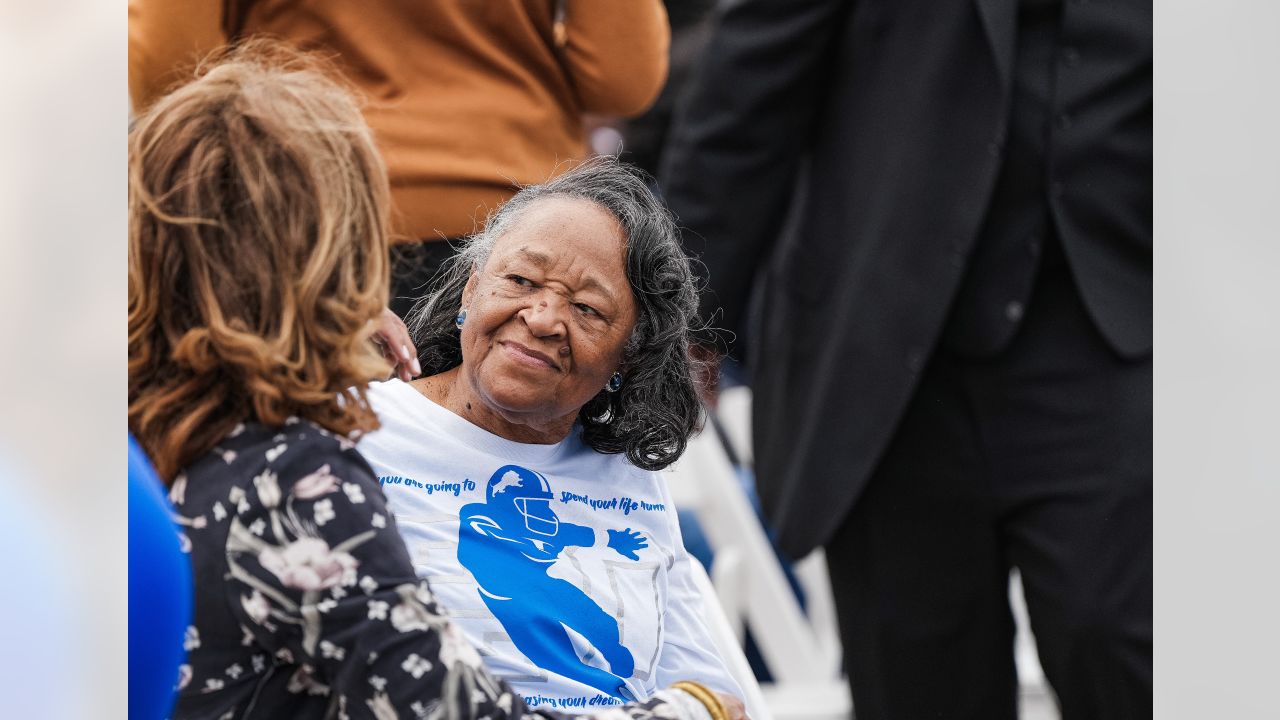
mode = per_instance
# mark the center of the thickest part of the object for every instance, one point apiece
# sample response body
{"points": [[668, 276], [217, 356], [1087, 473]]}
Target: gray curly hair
{"points": [[656, 411]]}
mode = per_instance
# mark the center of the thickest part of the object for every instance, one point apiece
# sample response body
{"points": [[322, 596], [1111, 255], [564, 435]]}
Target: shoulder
{"points": [[390, 396], [258, 477], [613, 469], [400, 423], [617, 467], [299, 448], [287, 454], [312, 486], [308, 463], [415, 436]]}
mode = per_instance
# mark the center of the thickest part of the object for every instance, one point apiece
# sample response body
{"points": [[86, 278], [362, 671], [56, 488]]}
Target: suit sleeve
{"points": [[166, 40], [729, 169], [616, 54]]}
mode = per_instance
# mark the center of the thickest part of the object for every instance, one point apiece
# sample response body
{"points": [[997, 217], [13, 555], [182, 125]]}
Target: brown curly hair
{"points": [[257, 255]]}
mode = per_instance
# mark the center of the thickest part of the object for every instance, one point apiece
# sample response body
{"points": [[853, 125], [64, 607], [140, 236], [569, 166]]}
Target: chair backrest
{"points": [[748, 579], [727, 644], [800, 646]]}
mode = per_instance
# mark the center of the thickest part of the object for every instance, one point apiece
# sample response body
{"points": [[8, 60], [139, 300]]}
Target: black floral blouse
{"points": [[306, 603]]}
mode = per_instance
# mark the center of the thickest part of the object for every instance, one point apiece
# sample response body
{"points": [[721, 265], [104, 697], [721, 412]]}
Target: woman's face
{"points": [[549, 314]]}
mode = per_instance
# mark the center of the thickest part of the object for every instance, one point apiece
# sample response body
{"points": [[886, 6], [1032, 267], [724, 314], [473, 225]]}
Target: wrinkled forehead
{"points": [[558, 212], [557, 230]]}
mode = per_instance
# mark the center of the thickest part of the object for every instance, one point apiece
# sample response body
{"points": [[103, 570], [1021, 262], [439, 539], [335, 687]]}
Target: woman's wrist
{"points": [[687, 706], [705, 698]]}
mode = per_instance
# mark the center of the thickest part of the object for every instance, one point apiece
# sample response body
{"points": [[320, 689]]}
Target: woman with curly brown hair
{"points": [[257, 276]]}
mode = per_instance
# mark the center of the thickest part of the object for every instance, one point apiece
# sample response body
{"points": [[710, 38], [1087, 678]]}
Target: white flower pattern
{"points": [[309, 564], [256, 607], [191, 639], [330, 651], [320, 482], [268, 489], [178, 491], [416, 665], [354, 493], [410, 616], [455, 648], [381, 707], [276, 452], [324, 512]]}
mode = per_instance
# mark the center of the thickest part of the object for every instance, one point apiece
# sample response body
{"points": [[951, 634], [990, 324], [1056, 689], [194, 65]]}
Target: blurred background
{"points": [[62, 455], [62, 280]]}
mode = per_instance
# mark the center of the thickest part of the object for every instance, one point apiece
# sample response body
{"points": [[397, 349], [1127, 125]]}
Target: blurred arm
{"points": [[728, 172], [616, 54], [166, 39]]}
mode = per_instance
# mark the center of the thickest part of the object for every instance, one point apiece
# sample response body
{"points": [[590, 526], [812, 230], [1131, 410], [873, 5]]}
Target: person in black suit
{"points": [[951, 353]]}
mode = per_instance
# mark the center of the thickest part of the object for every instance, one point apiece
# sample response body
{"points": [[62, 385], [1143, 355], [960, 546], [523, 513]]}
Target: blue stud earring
{"points": [[615, 383], [462, 317]]}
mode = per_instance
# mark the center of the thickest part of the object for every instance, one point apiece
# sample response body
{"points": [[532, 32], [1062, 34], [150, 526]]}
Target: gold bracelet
{"points": [[704, 695]]}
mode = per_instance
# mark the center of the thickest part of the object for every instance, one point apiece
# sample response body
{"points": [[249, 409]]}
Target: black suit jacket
{"points": [[893, 115]]}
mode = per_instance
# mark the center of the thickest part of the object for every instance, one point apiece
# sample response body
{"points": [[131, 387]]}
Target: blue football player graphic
{"points": [[509, 543]]}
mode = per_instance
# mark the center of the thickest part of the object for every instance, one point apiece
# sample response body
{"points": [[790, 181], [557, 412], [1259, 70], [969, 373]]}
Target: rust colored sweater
{"points": [[466, 97]]}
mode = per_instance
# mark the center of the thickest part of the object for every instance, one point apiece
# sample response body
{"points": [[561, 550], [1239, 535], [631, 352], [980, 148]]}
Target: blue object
{"points": [[509, 543], [627, 542], [159, 593]]}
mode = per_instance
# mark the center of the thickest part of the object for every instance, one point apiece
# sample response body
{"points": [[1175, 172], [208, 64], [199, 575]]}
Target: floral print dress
{"points": [[306, 602]]}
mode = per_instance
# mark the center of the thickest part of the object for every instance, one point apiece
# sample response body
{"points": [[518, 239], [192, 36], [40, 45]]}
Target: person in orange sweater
{"points": [[467, 100]]}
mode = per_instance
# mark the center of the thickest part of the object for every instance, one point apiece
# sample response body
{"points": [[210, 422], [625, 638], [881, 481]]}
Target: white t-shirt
{"points": [[564, 566]]}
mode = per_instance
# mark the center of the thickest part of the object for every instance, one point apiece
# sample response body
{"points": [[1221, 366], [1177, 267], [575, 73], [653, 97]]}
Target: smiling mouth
{"points": [[529, 355]]}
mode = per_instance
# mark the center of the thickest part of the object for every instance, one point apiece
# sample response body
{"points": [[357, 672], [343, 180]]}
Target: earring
{"points": [[615, 383], [462, 317]]}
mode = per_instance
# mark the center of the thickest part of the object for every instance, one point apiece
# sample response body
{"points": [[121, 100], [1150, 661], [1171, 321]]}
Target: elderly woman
{"points": [[257, 270], [523, 468]]}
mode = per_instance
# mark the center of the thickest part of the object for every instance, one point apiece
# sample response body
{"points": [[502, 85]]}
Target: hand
{"points": [[733, 706], [627, 542], [392, 337]]}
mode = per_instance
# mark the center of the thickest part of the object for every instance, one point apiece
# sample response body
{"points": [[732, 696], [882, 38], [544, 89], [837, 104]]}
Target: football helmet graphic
{"points": [[526, 493]]}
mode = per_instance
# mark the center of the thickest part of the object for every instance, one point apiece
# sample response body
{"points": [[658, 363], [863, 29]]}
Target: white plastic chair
{"points": [[802, 650], [729, 647]]}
